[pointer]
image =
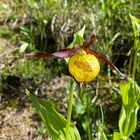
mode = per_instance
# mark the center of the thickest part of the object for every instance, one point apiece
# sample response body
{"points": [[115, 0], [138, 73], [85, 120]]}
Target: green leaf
{"points": [[78, 38], [124, 92], [116, 136], [103, 136], [54, 122], [135, 24], [23, 47], [130, 93], [115, 4], [81, 32]]}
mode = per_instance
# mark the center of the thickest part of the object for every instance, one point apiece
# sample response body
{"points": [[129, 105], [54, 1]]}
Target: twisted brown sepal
{"points": [[86, 44], [100, 57], [64, 53]]}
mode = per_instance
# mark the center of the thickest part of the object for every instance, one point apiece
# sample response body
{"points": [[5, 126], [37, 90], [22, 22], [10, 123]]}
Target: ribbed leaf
{"points": [[55, 123], [116, 136], [128, 117]]}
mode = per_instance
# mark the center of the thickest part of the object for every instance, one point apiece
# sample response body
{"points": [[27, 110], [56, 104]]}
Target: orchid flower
{"points": [[83, 64]]}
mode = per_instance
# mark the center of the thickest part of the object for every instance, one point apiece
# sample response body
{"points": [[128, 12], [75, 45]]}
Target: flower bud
{"points": [[83, 67]]}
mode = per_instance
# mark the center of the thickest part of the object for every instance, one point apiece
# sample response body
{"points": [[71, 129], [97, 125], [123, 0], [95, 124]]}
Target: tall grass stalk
{"points": [[135, 54], [134, 65], [69, 108]]}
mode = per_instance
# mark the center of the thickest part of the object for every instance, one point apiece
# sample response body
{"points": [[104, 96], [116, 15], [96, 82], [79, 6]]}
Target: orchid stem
{"points": [[69, 108]]}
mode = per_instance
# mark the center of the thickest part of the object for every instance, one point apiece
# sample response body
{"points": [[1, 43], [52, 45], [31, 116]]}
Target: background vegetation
{"points": [[28, 26]]}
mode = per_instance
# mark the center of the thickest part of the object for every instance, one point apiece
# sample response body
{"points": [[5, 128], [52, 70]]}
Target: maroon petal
{"points": [[38, 55], [86, 44], [60, 54], [64, 53], [100, 57]]}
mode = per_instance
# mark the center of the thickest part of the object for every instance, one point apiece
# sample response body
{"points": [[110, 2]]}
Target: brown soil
{"points": [[18, 124]]}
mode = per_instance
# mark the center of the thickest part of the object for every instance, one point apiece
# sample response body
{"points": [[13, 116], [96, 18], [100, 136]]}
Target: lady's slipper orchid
{"points": [[83, 67], [83, 64]]}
